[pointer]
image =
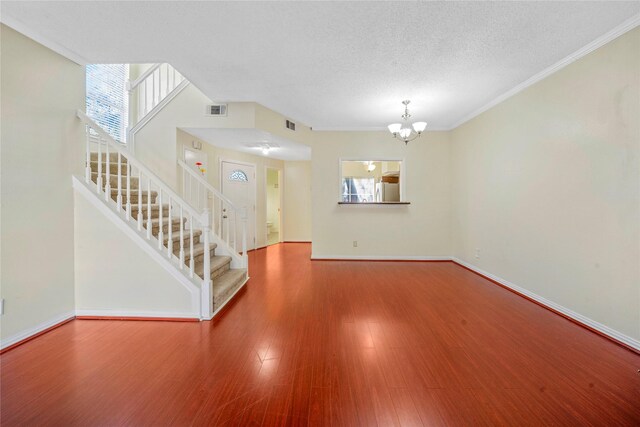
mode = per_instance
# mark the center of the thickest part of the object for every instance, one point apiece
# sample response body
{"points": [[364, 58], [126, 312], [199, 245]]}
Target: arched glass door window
{"points": [[238, 175]]}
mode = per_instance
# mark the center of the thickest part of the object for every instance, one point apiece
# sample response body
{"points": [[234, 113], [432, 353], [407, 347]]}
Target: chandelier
{"points": [[402, 131]]}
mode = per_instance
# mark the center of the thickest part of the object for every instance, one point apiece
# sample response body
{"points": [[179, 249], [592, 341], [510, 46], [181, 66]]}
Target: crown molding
{"points": [[621, 29], [25, 30]]}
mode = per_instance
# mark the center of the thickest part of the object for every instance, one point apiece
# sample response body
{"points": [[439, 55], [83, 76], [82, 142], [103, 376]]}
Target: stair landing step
{"points": [[226, 284]]}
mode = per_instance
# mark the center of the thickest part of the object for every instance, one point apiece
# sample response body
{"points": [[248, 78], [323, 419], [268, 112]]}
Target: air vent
{"points": [[216, 110], [290, 125]]}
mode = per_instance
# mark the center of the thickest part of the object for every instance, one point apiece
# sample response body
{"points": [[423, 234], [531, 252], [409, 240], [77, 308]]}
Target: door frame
{"points": [[280, 203], [255, 192]]}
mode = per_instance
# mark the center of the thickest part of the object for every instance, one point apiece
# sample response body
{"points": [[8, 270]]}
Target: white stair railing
{"points": [[153, 89], [110, 155], [228, 222]]}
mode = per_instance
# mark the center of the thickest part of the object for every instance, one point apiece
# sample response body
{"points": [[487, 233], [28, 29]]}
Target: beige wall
{"points": [[40, 93], [155, 143], [297, 201], [214, 154], [546, 185], [421, 229], [137, 286]]}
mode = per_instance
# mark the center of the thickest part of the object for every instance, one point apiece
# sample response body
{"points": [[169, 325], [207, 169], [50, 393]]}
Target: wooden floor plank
{"points": [[330, 343]]}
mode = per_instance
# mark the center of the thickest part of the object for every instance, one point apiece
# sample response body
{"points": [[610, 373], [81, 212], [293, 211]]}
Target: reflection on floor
{"points": [[273, 238], [324, 343]]}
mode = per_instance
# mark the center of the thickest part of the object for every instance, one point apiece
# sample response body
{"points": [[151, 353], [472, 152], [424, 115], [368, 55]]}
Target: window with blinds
{"points": [[107, 99]]}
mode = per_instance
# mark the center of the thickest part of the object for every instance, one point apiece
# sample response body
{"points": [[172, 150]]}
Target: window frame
{"points": [[124, 109]]}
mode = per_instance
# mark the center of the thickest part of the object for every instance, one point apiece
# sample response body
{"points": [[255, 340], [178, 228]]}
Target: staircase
{"points": [[182, 233]]}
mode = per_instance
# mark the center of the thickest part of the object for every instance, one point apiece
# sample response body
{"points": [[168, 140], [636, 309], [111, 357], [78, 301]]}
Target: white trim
{"points": [[230, 298], [280, 203], [27, 31], [374, 129], [626, 26], [139, 238], [135, 313], [557, 307], [29, 332], [381, 257], [131, 136]]}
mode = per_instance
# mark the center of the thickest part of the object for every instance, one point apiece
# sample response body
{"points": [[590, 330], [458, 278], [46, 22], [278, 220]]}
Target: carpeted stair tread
{"points": [[226, 284], [198, 250], [133, 192], [155, 210], [176, 237], [113, 157], [219, 263]]}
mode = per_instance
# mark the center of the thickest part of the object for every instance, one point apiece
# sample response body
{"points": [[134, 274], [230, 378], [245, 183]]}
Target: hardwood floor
{"points": [[331, 343]]}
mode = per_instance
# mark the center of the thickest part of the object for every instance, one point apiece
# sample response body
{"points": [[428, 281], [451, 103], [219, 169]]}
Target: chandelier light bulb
{"points": [[419, 126], [395, 127], [404, 131]]}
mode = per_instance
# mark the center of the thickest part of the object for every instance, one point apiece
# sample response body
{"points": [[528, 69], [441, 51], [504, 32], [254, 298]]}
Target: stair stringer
{"points": [[129, 227]]}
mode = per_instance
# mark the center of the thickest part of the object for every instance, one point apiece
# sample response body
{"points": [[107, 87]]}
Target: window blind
{"points": [[107, 99]]}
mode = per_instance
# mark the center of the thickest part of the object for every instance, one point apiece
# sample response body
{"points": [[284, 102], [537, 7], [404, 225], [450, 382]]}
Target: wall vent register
{"points": [[216, 110], [290, 125]]}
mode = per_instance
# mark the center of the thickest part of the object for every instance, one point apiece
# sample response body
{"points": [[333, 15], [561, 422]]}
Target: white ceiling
{"points": [[333, 65], [244, 140]]}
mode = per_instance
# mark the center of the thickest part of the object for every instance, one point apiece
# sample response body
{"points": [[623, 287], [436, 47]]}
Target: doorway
{"points": [[238, 184], [273, 184]]}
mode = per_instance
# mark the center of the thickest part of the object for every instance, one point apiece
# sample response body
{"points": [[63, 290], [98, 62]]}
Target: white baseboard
{"points": [[138, 313], [631, 342], [379, 258], [30, 332]]}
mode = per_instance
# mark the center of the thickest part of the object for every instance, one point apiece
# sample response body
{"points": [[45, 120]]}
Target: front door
{"points": [[238, 183]]}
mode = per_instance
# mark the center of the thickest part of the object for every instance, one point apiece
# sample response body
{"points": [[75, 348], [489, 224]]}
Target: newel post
{"points": [[207, 285]]}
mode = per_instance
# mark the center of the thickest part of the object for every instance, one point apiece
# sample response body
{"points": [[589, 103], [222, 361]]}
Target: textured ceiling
{"points": [[334, 65]]}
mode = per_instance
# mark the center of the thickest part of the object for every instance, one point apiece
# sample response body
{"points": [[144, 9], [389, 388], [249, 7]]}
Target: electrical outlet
{"points": [[355, 243], [477, 252]]}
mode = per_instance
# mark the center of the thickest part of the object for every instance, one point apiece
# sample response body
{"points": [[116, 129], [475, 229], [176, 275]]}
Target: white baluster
{"points": [[128, 169], [191, 261], [228, 225], [170, 242], [140, 218], [181, 239], [107, 191], [235, 231], [207, 294], [142, 99], [160, 233], [245, 257], [99, 180], [87, 170], [220, 215], [149, 225], [119, 197]]}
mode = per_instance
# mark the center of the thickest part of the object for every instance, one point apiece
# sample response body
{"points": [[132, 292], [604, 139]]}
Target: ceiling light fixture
{"points": [[402, 131]]}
